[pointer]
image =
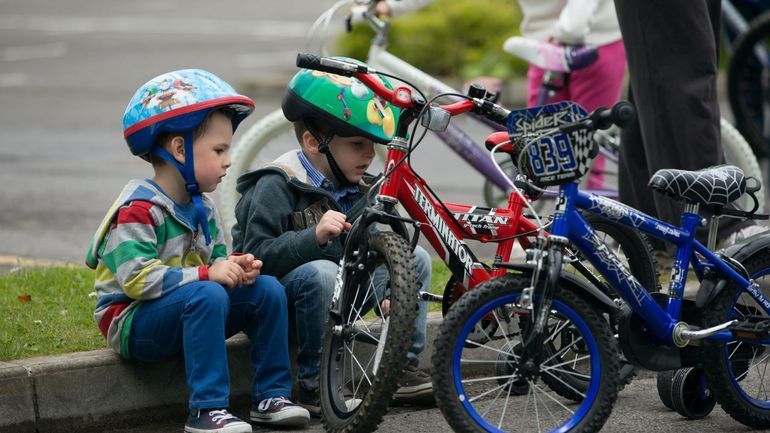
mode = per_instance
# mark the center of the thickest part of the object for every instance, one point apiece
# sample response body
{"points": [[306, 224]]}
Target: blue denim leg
{"points": [[423, 263], [260, 311], [189, 319], [309, 291]]}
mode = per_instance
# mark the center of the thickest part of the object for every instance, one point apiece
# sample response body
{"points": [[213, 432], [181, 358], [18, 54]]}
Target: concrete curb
{"points": [[96, 390]]}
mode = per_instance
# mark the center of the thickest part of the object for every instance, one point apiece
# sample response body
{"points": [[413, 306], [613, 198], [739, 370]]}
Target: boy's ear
{"points": [[176, 148], [309, 142]]}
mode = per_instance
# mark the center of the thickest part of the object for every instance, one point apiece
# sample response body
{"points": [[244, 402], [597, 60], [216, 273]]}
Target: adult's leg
{"points": [[671, 52], [191, 319], [260, 310]]}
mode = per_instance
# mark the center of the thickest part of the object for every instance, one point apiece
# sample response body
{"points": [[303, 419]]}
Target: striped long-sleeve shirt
{"points": [[145, 248]]}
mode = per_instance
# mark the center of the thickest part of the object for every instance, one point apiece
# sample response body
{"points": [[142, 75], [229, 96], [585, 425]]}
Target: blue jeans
{"points": [[196, 318], [309, 290]]}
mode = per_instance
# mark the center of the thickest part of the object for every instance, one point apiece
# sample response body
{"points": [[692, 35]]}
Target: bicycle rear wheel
{"points": [[364, 347], [263, 142], [485, 388]]}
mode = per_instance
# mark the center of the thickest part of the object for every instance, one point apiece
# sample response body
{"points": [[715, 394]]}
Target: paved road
{"points": [[67, 70], [637, 410]]}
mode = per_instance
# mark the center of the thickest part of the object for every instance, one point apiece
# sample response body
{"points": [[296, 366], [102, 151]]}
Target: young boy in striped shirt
{"points": [[164, 281]]}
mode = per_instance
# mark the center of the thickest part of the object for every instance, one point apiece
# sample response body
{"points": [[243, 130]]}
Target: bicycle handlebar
{"points": [[621, 114], [401, 96]]}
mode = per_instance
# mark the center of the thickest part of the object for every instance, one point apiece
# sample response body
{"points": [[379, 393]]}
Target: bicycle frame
{"points": [[454, 137], [444, 233], [664, 322], [379, 58]]}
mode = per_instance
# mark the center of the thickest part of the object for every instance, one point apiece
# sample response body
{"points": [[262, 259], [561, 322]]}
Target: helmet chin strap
{"points": [[191, 185], [323, 147]]}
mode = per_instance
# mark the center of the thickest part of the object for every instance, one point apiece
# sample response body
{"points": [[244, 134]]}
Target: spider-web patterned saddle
{"points": [[713, 187]]}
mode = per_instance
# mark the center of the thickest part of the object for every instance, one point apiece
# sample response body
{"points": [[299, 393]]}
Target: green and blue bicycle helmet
{"points": [[345, 105], [178, 102]]}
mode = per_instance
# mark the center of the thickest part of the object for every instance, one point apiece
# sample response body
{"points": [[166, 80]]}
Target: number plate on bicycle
{"points": [[551, 157]]}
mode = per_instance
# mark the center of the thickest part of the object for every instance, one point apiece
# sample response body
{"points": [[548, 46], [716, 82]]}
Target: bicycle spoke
{"points": [[553, 399], [580, 393], [471, 400]]}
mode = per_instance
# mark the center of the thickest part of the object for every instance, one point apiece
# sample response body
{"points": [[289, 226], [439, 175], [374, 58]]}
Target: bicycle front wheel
{"points": [[485, 388], [736, 371], [365, 346]]}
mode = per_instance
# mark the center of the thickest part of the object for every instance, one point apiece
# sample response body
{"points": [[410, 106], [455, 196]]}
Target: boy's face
{"points": [[212, 152], [353, 155]]}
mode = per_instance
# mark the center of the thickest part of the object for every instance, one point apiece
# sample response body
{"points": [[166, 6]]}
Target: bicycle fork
{"points": [[537, 299]]}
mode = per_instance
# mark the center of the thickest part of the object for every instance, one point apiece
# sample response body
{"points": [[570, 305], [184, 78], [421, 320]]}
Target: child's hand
{"points": [[227, 273], [331, 225], [250, 265]]}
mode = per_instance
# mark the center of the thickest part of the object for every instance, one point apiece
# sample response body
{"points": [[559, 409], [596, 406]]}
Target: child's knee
{"points": [[270, 288], [209, 293], [320, 278]]}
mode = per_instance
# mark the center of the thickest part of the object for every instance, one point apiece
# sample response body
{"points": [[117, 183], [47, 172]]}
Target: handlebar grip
{"points": [[327, 64], [308, 61], [621, 114]]}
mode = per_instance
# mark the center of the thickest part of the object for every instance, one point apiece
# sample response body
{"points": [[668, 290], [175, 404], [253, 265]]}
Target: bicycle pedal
{"points": [[752, 327]]}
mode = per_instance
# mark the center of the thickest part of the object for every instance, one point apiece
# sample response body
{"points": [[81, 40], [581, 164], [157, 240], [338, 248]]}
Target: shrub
{"points": [[450, 38]]}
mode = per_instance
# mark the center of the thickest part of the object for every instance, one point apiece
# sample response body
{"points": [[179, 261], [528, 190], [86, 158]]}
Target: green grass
{"points": [[58, 318]]}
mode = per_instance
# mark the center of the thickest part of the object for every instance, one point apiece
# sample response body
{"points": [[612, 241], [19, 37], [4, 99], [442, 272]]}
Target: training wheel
{"points": [[690, 394], [665, 381]]}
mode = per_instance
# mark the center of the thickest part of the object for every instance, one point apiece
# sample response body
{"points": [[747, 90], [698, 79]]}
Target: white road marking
{"points": [[266, 29], [31, 52], [257, 60], [13, 80]]}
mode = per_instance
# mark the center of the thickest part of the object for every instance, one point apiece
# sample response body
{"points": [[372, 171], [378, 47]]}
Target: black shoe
{"points": [[413, 384], [215, 421], [279, 411], [310, 400]]}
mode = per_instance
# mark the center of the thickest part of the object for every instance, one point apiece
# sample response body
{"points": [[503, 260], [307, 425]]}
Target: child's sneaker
{"points": [[215, 421], [310, 400], [279, 411], [413, 384]]}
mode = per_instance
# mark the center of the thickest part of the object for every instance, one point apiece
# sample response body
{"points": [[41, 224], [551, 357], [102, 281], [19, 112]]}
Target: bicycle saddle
{"points": [[713, 187]]}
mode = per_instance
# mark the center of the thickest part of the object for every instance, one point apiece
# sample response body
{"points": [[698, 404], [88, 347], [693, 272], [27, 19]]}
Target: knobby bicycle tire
{"points": [[372, 391], [729, 371], [461, 404]]}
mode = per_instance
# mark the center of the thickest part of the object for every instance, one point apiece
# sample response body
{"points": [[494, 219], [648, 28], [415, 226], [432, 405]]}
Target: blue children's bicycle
{"points": [[552, 363]]}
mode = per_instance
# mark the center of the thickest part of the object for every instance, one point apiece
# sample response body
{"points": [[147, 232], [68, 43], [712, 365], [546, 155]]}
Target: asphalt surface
{"points": [[638, 409], [68, 69]]}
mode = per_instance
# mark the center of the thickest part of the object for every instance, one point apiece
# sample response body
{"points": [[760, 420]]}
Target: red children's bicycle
{"points": [[365, 345]]}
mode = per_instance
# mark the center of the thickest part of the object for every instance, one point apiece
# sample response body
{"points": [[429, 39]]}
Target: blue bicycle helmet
{"points": [[178, 102]]}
